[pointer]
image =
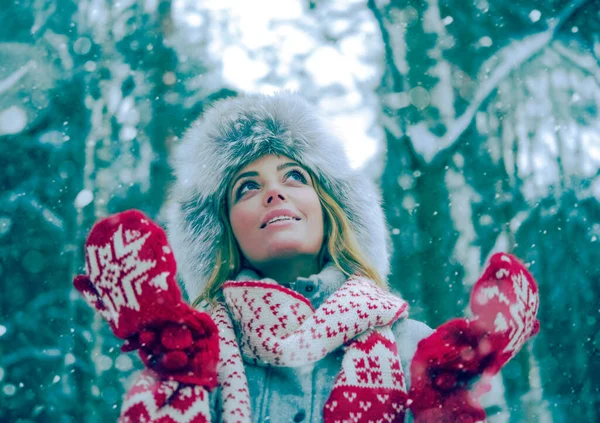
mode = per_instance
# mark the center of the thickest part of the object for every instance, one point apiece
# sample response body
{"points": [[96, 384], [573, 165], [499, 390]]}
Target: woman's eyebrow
{"points": [[255, 173]]}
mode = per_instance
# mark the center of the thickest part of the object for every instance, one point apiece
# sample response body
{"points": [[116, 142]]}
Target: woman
{"points": [[286, 247], [254, 159]]}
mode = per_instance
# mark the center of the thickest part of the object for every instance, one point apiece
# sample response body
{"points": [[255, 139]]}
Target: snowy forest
{"points": [[479, 120]]}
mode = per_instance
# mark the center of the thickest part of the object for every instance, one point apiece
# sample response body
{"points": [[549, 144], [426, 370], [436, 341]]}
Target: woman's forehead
{"points": [[267, 159]]}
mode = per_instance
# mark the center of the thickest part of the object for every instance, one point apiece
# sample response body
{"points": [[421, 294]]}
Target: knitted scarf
{"points": [[279, 327]]}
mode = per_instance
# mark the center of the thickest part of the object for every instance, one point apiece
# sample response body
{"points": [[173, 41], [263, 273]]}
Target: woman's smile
{"points": [[280, 223]]}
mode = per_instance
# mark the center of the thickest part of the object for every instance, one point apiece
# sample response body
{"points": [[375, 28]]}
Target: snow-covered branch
{"points": [[584, 62], [435, 150], [14, 77]]}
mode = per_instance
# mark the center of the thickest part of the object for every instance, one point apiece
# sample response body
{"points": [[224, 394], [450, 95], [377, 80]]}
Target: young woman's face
{"points": [[275, 187]]}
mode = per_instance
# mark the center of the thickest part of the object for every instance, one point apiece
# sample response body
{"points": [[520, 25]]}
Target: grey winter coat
{"points": [[285, 394]]}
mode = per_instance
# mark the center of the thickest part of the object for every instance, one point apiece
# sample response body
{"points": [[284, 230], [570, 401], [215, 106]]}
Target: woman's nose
{"points": [[274, 195]]}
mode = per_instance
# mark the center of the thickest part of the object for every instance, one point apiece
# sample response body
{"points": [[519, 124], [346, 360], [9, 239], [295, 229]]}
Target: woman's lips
{"points": [[280, 223]]}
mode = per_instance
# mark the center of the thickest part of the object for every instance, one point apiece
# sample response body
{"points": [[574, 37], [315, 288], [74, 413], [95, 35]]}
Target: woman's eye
{"points": [[294, 173], [240, 191], [298, 174]]}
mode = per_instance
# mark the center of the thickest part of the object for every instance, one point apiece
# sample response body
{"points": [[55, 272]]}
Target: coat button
{"points": [[300, 415]]}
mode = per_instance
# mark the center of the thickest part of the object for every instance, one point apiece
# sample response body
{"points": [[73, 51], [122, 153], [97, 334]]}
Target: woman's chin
{"points": [[288, 250], [285, 250]]}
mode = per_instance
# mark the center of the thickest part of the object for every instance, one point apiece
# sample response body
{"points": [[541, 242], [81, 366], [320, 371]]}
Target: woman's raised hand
{"points": [[131, 282], [504, 302]]}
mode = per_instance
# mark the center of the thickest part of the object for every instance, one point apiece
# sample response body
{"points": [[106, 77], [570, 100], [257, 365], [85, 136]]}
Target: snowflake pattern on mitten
{"points": [[505, 302], [131, 283]]}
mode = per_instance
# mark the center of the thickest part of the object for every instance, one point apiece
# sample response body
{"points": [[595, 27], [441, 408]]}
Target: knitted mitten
{"points": [[504, 302], [131, 282], [152, 399]]}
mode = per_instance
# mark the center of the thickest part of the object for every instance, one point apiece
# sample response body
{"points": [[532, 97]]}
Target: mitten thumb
{"points": [[90, 294]]}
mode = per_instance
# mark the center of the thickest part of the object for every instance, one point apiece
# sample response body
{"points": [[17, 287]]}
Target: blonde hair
{"points": [[340, 244]]}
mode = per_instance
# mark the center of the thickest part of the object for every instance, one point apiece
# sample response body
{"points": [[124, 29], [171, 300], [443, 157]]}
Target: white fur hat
{"points": [[233, 133]]}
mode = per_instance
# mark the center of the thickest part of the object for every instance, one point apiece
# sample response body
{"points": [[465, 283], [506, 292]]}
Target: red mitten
{"points": [[504, 302], [131, 282], [151, 399]]}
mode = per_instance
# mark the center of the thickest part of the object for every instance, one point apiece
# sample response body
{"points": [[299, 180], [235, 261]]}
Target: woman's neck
{"points": [[288, 271]]}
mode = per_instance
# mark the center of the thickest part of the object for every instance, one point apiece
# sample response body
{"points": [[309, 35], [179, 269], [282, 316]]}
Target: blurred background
{"points": [[479, 119]]}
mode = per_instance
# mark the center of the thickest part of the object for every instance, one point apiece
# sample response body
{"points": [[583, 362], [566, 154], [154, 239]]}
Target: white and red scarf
{"points": [[279, 327]]}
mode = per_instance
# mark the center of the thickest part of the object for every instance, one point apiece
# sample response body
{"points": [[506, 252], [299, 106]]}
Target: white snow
{"points": [[9, 389], [508, 59], [13, 78], [123, 363], [466, 250], [419, 97], [590, 140], [535, 15], [69, 359], [12, 120], [5, 225], [103, 362], [127, 133], [84, 198], [485, 41]]}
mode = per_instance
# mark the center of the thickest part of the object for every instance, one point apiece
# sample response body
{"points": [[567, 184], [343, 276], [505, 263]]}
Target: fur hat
{"points": [[233, 133]]}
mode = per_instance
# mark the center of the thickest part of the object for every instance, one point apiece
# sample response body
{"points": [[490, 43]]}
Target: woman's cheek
{"points": [[240, 218]]}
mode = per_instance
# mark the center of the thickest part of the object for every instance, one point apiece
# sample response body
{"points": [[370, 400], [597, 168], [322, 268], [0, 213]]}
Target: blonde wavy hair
{"points": [[340, 244]]}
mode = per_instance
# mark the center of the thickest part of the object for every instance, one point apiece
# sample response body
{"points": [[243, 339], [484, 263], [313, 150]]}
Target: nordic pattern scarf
{"points": [[279, 327]]}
